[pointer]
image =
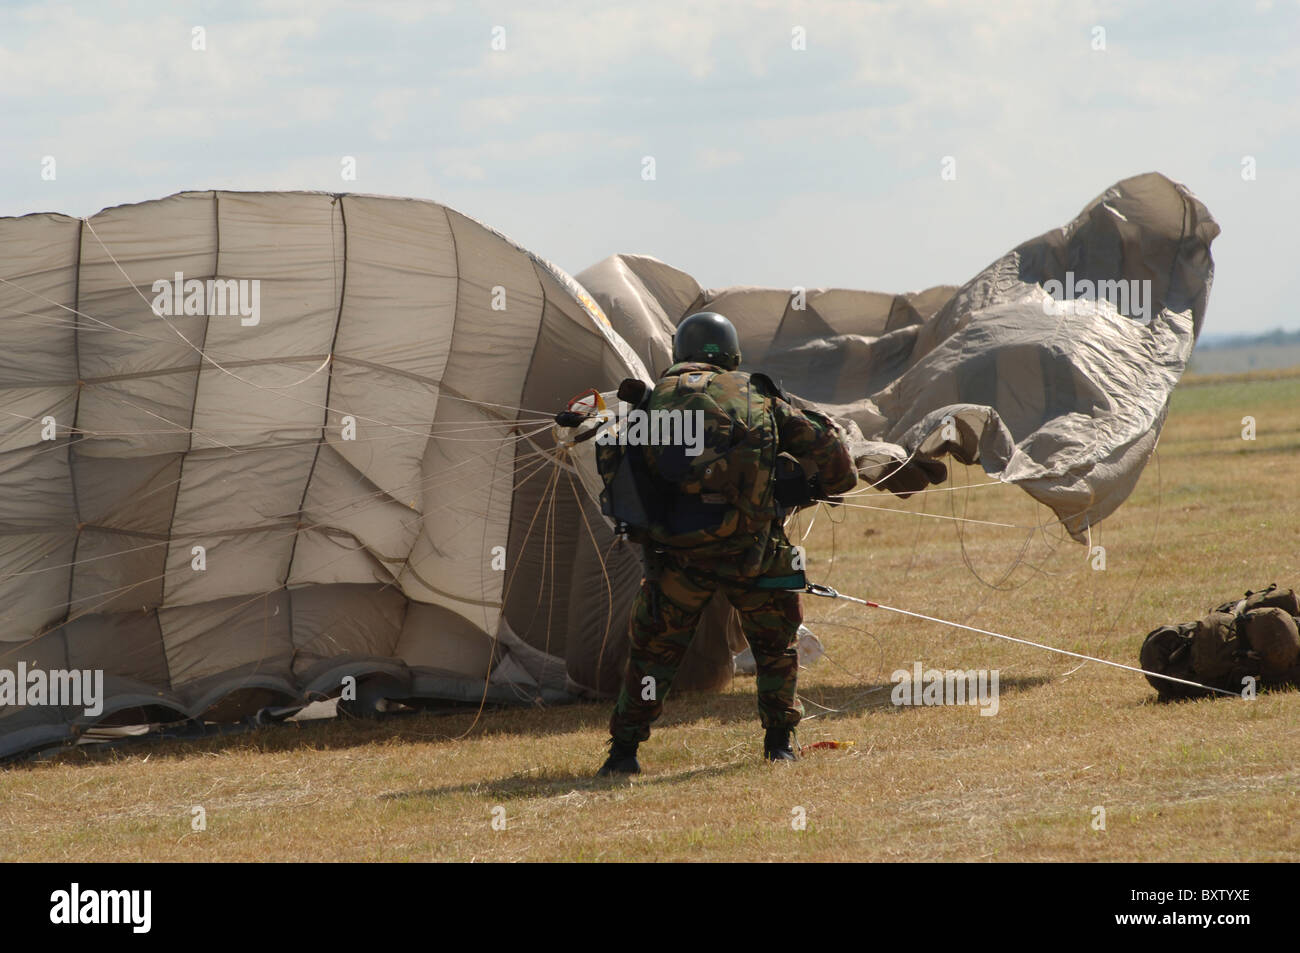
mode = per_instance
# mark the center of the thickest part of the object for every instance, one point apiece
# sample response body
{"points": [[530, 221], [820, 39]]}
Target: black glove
{"points": [[798, 490]]}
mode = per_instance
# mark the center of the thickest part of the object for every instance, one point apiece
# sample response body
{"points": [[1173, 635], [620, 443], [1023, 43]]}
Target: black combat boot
{"points": [[777, 747], [621, 760]]}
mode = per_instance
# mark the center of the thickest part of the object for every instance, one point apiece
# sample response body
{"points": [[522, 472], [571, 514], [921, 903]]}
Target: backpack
{"points": [[1270, 598], [660, 491], [1257, 636], [1274, 636]]}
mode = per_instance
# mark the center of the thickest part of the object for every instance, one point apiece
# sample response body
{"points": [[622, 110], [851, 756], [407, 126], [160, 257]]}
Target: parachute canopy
{"points": [[1052, 367], [260, 442]]}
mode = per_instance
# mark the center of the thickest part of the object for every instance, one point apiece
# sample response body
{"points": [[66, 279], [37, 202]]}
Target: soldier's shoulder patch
{"points": [[694, 380]]}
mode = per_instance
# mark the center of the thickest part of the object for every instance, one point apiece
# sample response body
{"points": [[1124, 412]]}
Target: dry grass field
{"points": [[1212, 780]]}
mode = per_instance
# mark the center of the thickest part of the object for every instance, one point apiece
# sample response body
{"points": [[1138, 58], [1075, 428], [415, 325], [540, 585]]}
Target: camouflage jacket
{"points": [[720, 459]]}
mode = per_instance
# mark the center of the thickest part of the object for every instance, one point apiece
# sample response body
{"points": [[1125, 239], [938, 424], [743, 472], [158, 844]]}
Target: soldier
{"points": [[718, 525]]}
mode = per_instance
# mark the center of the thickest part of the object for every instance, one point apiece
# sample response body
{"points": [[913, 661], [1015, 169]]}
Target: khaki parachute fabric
{"points": [[408, 552], [1066, 406], [452, 536]]}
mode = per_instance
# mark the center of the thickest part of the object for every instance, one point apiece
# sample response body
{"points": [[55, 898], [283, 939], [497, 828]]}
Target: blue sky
{"points": [[774, 166]]}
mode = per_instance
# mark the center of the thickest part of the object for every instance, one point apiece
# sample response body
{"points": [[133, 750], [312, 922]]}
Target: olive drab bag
{"points": [[1274, 636], [1215, 647], [1272, 597], [1256, 637]]}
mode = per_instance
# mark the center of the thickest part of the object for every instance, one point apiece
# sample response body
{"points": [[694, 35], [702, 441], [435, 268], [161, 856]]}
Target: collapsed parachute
{"points": [[1063, 395], [222, 512], [260, 442]]}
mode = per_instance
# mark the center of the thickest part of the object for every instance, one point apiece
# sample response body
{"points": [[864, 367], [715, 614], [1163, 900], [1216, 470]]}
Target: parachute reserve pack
{"points": [[1256, 637]]}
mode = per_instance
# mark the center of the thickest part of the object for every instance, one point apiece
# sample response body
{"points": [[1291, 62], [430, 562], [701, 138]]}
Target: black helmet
{"points": [[709, 338]]}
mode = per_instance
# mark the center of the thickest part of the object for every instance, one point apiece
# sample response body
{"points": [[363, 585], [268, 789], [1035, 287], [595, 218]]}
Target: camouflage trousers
{"points": [[663, 621]]}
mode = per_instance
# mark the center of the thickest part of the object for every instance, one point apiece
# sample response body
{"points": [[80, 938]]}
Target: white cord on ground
{"points": [[829, 593]]}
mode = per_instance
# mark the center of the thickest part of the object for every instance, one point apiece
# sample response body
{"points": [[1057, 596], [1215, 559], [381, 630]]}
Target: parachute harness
{"points": [[817, 589]]}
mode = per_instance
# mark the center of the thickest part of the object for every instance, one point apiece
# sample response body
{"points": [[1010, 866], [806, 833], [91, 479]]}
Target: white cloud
{"points": [[711, 158], [776, 165]]}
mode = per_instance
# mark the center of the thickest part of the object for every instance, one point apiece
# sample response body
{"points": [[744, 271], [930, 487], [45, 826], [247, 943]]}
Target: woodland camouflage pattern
{"points": [[747, 424]]}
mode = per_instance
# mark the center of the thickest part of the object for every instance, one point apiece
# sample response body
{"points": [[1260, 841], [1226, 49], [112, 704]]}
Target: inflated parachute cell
{"points": [[1052, 367], [346, 471]]}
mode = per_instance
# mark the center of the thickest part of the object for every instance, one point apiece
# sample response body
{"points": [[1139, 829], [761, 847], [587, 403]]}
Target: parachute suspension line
{"points": [[1042, 528], [959, 531], [933, 489], [175, 330], [495, 637], [812, 521], [551, 534], [546, 579], [604, 572], [541, 415], [73, 324], [937, 516], [225, 370], [547, 461], [794, 521], [180, 428], [1021, 558], [830, 518], [14, 317], [888, 473], [520, 435], [847, 704], [543, 419], [546, 501], [528, 532], [965, 556], [549, 489], [379, 496], [829, 593], [911, 560], [302, 380], [548, 560], [829, 510], [104, 327], [542, 505], [853, 675], [1151, 547], [556, 455], [555, 532], [842, 501], [916, 544], [1092, 597], [543, 422]]}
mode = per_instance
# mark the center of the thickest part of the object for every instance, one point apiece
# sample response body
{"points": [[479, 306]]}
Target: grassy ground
{"points": [[1208, 780]]}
